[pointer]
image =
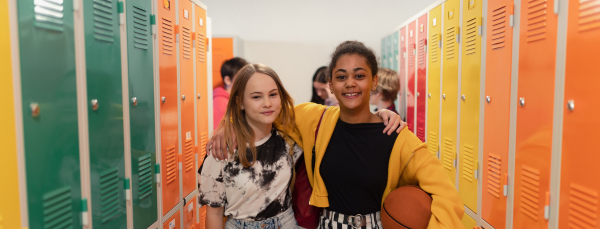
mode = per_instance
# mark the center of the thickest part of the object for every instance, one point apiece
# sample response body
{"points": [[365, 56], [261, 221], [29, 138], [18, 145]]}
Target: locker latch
{"points": [[157, 172], [476, 175], [153, 23], [127, 187], [547, 207], [505, 184], [84, 211], [120, 11]]}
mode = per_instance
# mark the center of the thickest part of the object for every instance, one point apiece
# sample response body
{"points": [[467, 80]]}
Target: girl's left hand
{"points": [[391, 120]]}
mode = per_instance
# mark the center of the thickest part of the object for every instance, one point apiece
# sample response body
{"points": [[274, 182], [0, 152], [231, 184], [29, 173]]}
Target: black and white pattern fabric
{"points": [[258, 192], [334, 220]]}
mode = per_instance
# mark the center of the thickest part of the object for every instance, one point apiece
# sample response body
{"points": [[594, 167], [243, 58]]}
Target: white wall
{"points": [[296, 37]]}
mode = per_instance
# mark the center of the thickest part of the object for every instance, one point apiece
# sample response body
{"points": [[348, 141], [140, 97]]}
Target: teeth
{"points": [[351, 94]]}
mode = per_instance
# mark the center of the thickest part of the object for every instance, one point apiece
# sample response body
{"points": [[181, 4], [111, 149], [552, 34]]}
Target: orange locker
{"points": [[202, 215], [497, 106], [450, 86], [537, 57], [421, 75], [469, 104], [410, 76], [167, 61], [222, 50], [189, 215], [201, 81], [173, 222], [186, 74], [579, 197], [402, 73], [434, 80]]}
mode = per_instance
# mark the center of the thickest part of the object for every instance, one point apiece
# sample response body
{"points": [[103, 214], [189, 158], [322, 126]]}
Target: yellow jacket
{"points": [[409, 158]]}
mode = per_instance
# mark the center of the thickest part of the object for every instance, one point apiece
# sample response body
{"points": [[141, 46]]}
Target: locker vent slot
{"points": [[433, 48], [530, 192], [432, 143], [103, 20], [536, 20], [58, 210], [422, 52], [187, 42], [144, 176], [448, 159], [203, 141], [201, 48], [168, 36], [471, 37], [468, 163], [49, 14], [421, 132], [109, 194], [171, 159], [411, 57], [189, 154], [583, 207], [141, 28], [493, 177], [450, 40], [499, 27], [589, 16]]}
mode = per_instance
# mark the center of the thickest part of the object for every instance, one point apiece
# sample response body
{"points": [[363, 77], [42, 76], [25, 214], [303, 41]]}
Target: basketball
{"points": [[406, 207]]}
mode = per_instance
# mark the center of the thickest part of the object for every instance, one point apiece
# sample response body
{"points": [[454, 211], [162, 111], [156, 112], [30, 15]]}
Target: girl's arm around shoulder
{"points": [[427, 171]]}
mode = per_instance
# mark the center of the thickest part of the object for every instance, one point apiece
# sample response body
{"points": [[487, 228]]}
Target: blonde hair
{"points": [[235, 118], [389, 84]]}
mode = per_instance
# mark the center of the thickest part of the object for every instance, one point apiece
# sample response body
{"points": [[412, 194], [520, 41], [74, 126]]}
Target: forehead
{"points": [[260, 82], [350, 62]]}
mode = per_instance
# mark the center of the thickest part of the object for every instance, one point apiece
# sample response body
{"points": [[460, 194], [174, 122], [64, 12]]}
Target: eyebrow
{"points": [[344, 70], [258, 92]]}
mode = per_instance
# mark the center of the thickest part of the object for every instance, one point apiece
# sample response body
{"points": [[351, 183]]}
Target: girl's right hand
{"points": [[217, 145]]}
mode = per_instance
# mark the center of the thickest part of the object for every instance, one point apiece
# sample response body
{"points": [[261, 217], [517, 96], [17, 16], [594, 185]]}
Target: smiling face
{"points": [[352, 82], [261, 101]]}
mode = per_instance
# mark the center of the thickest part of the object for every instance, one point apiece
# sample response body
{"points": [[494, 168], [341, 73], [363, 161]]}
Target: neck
{"points": [[261, 131], [227, 88], [383, 104], [358, 116]]}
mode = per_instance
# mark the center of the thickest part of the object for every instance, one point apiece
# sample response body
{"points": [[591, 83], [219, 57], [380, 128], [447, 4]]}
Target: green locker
{"points": [[105, 112], [49, 101], [141, 112]]}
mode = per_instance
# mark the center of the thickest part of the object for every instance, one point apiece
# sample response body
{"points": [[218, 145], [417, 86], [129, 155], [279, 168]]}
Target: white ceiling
{"points": [[311, 21]]}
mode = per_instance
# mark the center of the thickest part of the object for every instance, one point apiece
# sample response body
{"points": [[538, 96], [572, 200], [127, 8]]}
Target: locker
{"points": [[421, 60], [579, 202], [469, 222], [105, 113], [450, 86], [497, 106], [469, 108], [186, 76], [537, 57], [384, 52], [167, 61], [173, 222], [141, 112], [10, 210], [189, 215], [49, 108], [222, 50], [394, 52], [410, 75], [434, 79], [201, 81], [402, 73]]}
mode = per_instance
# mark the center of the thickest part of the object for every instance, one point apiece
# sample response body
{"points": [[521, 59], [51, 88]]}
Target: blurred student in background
{"points": [[321, 93], [221, 94], [387, 90]]}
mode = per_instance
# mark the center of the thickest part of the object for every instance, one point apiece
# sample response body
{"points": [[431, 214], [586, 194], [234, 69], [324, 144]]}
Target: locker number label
{"points": [[172, 224], [450, 14], [421, 28], [186, 14], [190, 208], [410, 34], [434, 22], [188, 135], [200, 21]]}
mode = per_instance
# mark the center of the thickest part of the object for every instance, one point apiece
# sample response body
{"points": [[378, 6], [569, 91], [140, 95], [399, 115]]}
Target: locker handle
{"points": [[127, 187], [35, 109], [134, 101], [163, 99], [95, 104], [84, 210], [571, 105], [547, 207], [522, 101], [505, 184], [463, 97], [488, 99]]}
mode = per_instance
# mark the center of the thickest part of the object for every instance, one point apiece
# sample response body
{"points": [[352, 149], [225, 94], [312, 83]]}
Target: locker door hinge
{"points": [[176, 33], [556, 2], [121, 12], [511, 18], [479, 30], [75, 5], [84, 211], [455, 163], [157, 172], [127, 187], [457, 37], [153, 23], [438, 153], [476, 175], [505, 184], [547, 207]]}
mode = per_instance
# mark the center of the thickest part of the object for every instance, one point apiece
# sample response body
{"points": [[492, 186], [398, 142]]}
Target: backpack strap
{"points": [[314, 158]]}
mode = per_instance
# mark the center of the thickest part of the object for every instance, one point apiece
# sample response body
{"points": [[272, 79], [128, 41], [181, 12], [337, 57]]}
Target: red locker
{"points": [[167, 61], [402, 73], [421, 75], [497, 106], [579, 188], [537, 57], [410, 76]]}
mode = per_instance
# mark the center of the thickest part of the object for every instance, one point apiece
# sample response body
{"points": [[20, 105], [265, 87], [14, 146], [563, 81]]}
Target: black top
{"points": [[355, 167]]}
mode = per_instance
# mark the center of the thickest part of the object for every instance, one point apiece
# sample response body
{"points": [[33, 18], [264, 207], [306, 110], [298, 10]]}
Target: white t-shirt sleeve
{"points": [[212, 188]]}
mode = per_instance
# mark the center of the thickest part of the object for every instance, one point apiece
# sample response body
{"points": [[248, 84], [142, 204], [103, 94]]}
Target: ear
{"points": [[375, 82], [330, 87], [227, 80]]}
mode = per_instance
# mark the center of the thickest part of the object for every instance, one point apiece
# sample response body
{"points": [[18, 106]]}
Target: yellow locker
{"points": [[450, 86], [469, 108], [9, 193], [433, 85], [469, 222]]}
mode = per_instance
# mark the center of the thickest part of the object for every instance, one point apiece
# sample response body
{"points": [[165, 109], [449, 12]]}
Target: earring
{"points": [[332, 92]]}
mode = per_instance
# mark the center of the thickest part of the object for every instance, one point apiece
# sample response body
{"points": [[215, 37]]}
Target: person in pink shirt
{"points": [[221, 94]]}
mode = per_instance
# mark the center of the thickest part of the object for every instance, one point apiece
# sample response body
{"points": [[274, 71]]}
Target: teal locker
{"points": [[383, 52], [394, 52], [141, 112], [49, 101], [105, 113]]}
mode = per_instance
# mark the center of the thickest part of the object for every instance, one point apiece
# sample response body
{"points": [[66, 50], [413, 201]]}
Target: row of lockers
{"points": [[491, 86], [108, 107]]}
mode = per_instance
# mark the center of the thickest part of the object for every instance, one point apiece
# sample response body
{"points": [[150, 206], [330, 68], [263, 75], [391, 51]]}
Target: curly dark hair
{"points": [[353, 47]]}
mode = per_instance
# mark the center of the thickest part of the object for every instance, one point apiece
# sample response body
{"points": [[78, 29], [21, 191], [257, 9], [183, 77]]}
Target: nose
{"points": [[351, 82], [267, 102]]}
